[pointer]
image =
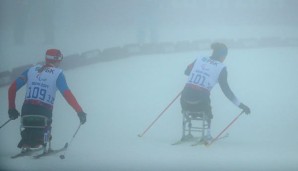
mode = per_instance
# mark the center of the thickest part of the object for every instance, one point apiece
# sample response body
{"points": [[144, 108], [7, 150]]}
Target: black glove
{"points": [[13, 114], [244, 108], [82, 116]]}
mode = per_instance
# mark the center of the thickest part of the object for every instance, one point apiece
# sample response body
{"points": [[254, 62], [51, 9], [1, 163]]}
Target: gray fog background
{"points": [[123, 97], [74, 26]]}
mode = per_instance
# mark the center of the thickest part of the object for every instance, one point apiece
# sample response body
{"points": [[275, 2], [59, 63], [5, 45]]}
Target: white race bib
{"points": [[42, 86], [205, 73]]}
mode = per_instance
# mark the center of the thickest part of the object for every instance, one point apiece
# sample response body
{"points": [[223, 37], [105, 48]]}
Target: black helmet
{"points": [[219, 50]]}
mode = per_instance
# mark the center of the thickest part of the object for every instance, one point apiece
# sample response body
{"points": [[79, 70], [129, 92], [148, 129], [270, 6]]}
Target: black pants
{"points": [[30, 109], [196, 101], [33, 137]]}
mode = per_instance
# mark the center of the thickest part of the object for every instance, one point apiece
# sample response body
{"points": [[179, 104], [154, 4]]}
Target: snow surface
{"points": [[123, 97]]}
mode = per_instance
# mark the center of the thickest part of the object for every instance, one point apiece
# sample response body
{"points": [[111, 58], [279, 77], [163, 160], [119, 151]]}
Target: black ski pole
{"points": [[5, 123], [62, 156]]}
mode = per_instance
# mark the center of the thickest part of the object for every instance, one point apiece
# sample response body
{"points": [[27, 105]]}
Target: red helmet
{"points": [[53, 56]]}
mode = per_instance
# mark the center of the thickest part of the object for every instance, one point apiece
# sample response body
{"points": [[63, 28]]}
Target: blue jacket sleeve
{"points": [[22, 80], [61, 83], [67, 94], [14, 87]]}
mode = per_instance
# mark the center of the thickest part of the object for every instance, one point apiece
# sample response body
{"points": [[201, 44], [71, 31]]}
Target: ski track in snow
{"points": [[123, 97]]}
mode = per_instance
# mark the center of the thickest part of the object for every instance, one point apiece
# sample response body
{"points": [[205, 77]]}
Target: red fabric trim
{"points": [[39, 103], [190, 66], [195, 87], [12, 91], [72, 100]]}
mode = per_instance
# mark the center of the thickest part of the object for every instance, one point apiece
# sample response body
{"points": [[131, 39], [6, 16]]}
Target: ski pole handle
{"points": [[5, 123]]}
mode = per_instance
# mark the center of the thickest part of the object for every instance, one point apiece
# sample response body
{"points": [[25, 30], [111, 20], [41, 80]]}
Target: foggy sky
{"points": [[76, 26]]}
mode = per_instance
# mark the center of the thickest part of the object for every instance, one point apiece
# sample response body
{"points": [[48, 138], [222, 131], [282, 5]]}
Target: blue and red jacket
{"points": [[60, 84]]}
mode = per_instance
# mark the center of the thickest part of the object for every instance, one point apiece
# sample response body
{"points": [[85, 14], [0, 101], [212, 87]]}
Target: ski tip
{"points": [[38, 156], [207, 144], [139, 135], [177, 143], [66, 145]]}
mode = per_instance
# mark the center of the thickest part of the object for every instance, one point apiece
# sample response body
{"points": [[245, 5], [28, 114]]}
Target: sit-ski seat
{"points": [[194, 125], [35, 131]]}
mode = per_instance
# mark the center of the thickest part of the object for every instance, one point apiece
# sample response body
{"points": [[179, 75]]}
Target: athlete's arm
{"points": [[223, 83], [67, 94], [14, 87], [189, 68]]}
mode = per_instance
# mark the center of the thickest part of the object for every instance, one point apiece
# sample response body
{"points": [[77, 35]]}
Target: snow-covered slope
{"points": [[123, 97]]}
